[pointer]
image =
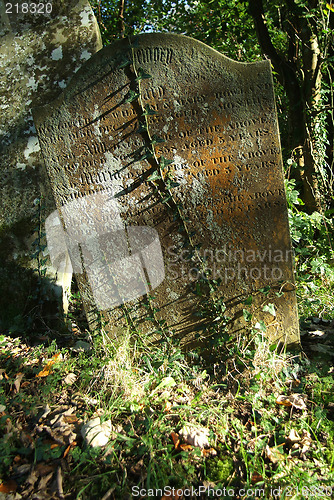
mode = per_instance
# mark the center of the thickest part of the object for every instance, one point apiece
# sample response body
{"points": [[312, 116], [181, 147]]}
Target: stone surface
{"points": [[39, 52], [219, 212], [96, 433]]}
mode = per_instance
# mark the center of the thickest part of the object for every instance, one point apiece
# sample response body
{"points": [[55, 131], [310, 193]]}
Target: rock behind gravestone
{"points": [[39, 53], [145, 236]]}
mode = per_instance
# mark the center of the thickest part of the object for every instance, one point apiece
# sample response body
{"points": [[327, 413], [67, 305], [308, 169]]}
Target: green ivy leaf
{"points": [[124, 61], [248, 301], [171, 184], [142, 75], [154, 177], [247, 315], [265, 290], [163, 162], [142, 127], [149, 111], [156, 140], [270, 308], [166, 199], [131, 96], [260, 325], [147, 153]]}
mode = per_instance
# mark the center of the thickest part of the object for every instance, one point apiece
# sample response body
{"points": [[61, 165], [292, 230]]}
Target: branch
{"points": [[121, 25], [286, 72], [267, 47]]}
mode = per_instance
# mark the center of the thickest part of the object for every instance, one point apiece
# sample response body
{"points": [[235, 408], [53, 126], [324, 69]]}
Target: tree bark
{"points": [[329, 79], [301, 95], [121, 24]]}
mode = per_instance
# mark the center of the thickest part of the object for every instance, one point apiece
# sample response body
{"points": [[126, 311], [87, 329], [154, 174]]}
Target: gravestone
{"points": [[165, 163], [42, 46]]}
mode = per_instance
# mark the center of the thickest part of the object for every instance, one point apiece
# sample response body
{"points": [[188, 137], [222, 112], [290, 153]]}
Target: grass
{"points": [[149, 395]]}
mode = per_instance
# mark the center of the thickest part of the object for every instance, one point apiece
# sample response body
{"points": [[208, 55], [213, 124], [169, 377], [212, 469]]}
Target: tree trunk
{"points": [[301, 97], [329, 80]]}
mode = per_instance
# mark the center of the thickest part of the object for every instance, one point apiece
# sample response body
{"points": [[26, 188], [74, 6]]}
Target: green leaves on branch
{"points": [[265, 290], [149, 111], [142, 75], [260, 325], [171, 184], [156, 140], [270, 308], [154, 177], [247, 315], [248, 301], [163, 162], [143, 154], [124, 61], [131, 96], [142, 127], [166, 199]]}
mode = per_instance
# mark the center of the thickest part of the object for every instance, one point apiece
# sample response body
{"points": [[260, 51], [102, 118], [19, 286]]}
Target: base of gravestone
{"points": [[241, 320]]}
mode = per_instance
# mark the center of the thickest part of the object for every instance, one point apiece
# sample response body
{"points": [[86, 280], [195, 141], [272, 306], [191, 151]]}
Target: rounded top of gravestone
{"points": [[182, 56]]}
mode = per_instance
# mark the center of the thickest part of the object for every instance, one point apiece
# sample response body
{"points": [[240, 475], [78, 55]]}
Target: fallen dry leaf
{"points": [[17, 381], [283, 400], [205, 452], [3, 374], [177, 443], [59, 482], [185, 447], [293, 437], [44, 481], [295, 400], [306, 441], [8, 487], [176, 439], [45, 413], [43, 469], [47, 368], [70, 379], [274, 455], [168, 406], [256, 477], [61, 424], [71, 419], [298, 443], [195, 436], [72, 445]]}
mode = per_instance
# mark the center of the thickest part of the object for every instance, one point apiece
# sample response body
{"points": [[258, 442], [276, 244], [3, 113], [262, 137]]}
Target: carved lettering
{"points": [[154, 55]]}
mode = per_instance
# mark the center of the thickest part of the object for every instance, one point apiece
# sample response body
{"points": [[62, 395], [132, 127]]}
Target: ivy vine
{"points": [[162, 179]]}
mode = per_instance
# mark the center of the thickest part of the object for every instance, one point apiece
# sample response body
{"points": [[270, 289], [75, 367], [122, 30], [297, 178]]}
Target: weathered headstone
{"points": [[42, 46], [218, 210]]}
